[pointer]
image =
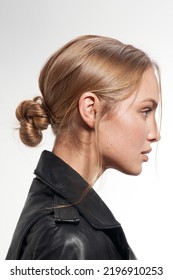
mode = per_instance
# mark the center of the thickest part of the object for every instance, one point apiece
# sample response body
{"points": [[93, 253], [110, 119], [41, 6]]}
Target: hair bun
{"points": [[33, 118]]}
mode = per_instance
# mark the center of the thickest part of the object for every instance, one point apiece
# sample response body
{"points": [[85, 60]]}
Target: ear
{"points": [[88, 108]]}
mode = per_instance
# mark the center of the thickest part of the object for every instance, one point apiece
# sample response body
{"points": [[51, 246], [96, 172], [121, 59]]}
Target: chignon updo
{"points": [[105, 66], [33, 119]]}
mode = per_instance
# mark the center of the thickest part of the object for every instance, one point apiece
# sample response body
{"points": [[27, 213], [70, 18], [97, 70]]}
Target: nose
{"points": [[154, 134]]}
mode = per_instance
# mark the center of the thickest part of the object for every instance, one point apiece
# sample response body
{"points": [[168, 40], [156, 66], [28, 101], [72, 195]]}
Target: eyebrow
{"points": [[155, 103]]}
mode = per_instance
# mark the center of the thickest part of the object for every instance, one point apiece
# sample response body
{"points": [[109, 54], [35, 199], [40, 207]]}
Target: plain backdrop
{"points": [[29, 32]]}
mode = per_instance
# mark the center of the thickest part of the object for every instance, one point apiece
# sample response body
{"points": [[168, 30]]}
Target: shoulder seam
{"points": [[36, 245]]}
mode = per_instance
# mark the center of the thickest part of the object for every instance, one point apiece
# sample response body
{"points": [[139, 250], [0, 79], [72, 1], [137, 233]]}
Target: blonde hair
{"points": [[104, 66]]}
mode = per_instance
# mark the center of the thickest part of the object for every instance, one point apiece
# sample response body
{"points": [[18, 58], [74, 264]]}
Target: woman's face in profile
{"points": [[126, 136]]}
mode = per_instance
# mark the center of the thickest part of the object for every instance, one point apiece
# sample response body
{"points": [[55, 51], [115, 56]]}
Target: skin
{"points": [[129, 133], [125, 137]]}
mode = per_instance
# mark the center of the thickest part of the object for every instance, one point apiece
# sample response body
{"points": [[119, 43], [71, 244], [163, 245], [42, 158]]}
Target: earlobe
{"points": [[88, 108]]}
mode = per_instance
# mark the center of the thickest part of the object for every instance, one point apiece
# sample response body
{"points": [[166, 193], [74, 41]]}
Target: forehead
{"points": [[149, 87], [148, 91]]}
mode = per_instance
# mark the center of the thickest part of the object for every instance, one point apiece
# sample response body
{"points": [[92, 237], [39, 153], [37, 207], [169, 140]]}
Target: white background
{"points": [[29, 32]]}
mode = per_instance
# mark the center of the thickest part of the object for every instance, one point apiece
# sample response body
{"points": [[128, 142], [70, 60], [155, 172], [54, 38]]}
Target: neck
{"points": [[83, 158]]}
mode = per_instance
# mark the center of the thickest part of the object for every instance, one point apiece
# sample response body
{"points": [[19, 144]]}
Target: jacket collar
{"points": [[65, 181]]}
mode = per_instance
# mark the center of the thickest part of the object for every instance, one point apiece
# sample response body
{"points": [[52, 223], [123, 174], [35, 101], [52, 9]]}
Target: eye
{"points": [[146, 111]]}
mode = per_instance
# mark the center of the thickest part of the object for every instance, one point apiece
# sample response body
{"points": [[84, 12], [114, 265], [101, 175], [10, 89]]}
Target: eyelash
{"points": [[146, 111]]}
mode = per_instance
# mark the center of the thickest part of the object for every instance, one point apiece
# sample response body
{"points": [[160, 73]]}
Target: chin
{"points": [[130, 171], [134, 172]]}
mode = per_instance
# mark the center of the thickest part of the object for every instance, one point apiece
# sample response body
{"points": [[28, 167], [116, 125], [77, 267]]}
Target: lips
{"points": [[147, 151], [144, 154]]}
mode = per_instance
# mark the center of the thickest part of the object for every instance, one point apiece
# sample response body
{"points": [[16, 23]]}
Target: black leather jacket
{"points": [[85, 230]]}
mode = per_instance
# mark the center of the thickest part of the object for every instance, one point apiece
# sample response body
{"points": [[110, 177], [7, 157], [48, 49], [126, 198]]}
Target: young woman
{"points": [[100, 97]]}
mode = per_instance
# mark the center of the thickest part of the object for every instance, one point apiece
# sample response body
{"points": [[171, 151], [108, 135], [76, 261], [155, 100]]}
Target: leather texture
{"points": [[61, 221]]}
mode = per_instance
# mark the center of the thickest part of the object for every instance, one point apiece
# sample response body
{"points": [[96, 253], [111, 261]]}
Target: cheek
{"points": [[121, 133], [135, 131], [131, 130]]}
